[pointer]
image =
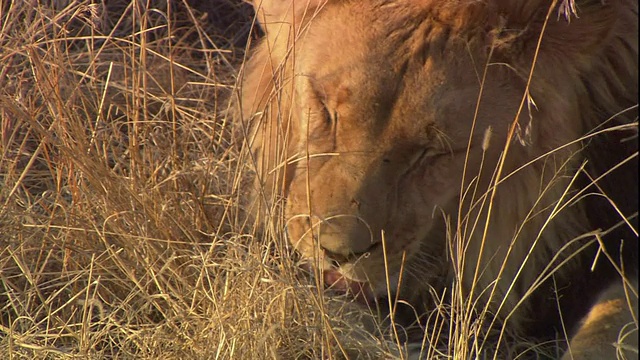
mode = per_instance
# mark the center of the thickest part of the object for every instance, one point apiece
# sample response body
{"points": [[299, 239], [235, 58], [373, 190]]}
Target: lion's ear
{"points": [[276, 12]]}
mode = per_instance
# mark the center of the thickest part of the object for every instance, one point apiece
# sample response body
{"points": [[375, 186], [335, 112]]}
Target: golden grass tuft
{"points": [[122, 233]]}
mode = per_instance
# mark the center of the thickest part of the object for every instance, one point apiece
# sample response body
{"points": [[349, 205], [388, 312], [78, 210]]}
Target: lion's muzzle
{"points": [[345, 237]]}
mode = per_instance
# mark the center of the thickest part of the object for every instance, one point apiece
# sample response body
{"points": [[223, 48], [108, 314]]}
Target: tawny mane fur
{"points": [[469, 133]]}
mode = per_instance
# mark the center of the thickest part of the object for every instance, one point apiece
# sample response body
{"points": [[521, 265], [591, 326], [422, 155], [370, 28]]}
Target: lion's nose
{"points": [[345, 237]]}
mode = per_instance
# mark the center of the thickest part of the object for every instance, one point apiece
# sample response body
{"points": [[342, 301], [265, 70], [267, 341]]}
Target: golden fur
{"points": [[399, 118]]}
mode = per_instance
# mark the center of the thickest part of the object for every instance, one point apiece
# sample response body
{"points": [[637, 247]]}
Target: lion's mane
{"points": [[568, 200]]}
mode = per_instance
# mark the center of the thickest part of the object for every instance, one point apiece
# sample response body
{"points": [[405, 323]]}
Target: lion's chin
{"points": [[360, 291]]}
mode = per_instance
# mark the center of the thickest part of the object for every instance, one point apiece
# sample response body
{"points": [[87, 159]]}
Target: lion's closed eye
{"points": [[430, 154], [321, 120], [330, 116]]}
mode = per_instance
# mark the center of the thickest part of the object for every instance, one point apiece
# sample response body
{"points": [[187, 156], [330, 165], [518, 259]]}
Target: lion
{"points": [[481, 153]]}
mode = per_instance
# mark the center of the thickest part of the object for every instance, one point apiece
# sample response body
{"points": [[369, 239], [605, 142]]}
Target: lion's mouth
{"points": [[360, 291]]}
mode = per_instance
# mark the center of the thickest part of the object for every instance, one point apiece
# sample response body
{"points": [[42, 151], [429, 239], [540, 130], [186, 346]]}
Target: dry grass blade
{"points": [[122, 232]]}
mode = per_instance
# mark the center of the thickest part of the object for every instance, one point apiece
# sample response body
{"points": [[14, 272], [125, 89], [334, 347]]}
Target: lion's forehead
{"points": [[362, 30], [408, 65]]}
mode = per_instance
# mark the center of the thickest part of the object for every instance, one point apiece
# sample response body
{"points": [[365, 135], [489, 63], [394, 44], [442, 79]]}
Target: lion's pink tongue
{"points": [[361, 291]]}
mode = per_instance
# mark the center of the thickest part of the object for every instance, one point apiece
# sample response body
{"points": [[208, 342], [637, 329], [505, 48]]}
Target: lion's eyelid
{"points": [[419, 157], [430, 152], [330, 115]]}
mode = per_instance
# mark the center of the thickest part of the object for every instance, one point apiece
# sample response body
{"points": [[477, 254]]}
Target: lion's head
{"points": [[422, 141]]}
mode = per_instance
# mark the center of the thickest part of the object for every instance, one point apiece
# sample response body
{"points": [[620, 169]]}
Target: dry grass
{"points": [[122, 230], [122, 234]]}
